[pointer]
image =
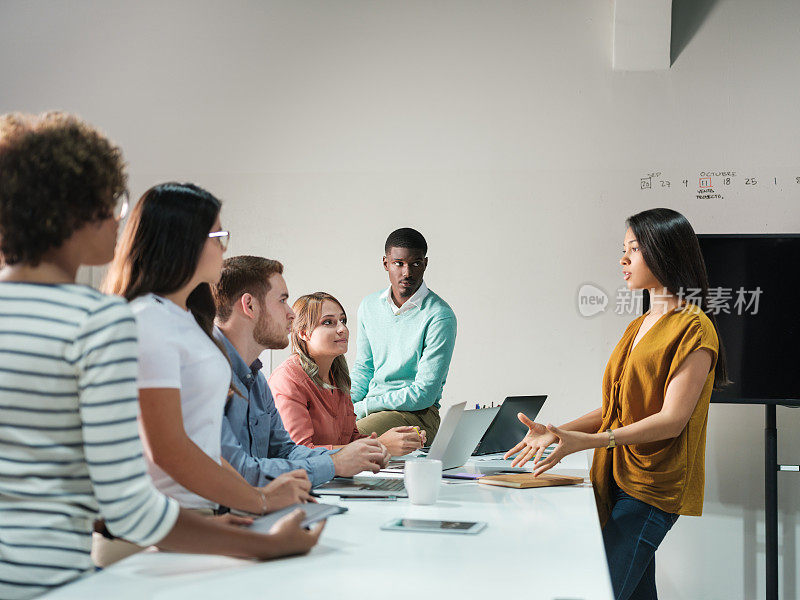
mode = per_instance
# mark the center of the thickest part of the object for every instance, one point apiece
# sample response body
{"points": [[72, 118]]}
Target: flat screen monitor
{"points": [[754, 281]]}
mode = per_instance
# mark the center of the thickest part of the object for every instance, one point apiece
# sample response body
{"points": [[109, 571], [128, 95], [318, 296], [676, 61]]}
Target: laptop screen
{"points": [[506, 430]]}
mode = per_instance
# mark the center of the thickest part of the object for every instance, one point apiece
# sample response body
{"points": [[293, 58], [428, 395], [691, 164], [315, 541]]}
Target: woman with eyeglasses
{"points": [[169, 255], [69, 445]]}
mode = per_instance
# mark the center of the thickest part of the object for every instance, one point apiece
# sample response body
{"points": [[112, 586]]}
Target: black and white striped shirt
{"points": [[69, 443]]}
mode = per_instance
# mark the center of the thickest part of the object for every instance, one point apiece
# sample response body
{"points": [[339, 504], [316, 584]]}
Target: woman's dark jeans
{"points": [[631, 536]]}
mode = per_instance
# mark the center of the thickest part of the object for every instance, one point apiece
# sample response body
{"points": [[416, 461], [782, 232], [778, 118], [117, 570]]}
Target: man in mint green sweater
{"points": [[406, 336]]}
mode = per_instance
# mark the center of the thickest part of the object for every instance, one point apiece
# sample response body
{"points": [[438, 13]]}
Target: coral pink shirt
{"points": [[314, 417]]}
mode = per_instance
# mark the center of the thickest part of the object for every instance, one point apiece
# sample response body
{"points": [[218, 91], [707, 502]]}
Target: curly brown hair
{"points": [[57, 173]]}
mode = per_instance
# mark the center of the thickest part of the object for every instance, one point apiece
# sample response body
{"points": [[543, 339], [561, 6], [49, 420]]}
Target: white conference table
{"points": [[539, 543]]}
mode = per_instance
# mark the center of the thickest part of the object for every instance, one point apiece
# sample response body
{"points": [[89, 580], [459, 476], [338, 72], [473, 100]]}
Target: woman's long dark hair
{"points": [[670, 248], [161, 245]]}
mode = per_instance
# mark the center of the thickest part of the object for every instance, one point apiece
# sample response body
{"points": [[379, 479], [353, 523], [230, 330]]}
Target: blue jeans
{"points": [[631, 537]]}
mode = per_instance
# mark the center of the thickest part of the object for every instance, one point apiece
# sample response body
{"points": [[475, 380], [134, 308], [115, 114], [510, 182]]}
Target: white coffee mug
{"points": [[423, 478]]}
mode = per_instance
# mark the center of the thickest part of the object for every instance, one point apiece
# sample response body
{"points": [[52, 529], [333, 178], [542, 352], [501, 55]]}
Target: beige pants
{"points": [[106, 552], [381, 422]]}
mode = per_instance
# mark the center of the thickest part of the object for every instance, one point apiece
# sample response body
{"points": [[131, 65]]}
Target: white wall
{"points": [[496, 128]]}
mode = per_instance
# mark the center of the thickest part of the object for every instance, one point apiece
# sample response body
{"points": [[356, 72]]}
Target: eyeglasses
{"points": [[121, 206], [223, 237]]}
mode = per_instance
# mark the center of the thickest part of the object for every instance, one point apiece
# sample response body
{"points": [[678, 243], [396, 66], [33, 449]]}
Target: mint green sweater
{"points": [[402, 360]]}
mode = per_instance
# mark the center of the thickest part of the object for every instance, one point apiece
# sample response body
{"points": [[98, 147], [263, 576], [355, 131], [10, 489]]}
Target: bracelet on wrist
{"points": [[612, 441], [263, 497]]}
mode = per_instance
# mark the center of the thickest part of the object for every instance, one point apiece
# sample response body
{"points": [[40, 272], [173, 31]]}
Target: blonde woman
{"points": [[312, 387]]}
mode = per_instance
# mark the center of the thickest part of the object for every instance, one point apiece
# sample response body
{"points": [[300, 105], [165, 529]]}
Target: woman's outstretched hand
{"points": [[533, 444], [540, 437], [568, 442]]}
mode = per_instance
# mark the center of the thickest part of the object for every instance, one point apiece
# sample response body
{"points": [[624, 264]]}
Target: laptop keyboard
{"points": [[386, 485]]}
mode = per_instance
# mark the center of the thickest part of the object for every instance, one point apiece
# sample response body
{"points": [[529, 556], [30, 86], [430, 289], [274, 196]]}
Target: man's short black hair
{"points": [[406, 238]]}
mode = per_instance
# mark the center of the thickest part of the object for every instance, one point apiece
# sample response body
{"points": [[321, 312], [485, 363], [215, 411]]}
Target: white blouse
{"points": [[174, 352]]}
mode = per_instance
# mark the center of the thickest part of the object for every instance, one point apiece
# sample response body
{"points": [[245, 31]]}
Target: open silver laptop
{"points": [[458, 436]]}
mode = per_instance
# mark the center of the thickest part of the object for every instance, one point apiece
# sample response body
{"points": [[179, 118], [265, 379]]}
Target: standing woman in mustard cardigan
{"points": [[650, 433]]}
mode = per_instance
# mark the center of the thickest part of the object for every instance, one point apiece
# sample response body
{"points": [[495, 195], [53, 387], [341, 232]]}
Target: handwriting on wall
{"points": [[716, 185]]}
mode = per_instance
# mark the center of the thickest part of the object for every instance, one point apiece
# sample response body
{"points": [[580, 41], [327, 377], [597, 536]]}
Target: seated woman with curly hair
{"points": [[69, 446]]}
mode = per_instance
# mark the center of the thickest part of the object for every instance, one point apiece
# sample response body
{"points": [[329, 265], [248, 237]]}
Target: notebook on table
{"points": [[527, 480]]}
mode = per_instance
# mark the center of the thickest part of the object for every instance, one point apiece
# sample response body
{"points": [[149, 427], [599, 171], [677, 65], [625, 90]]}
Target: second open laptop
{"points": [[506, 430]]}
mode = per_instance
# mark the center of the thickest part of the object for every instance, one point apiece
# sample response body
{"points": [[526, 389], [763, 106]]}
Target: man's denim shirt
{"points": [[254, 440]]}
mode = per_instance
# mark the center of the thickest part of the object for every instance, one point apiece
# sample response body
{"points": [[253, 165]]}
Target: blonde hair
{"points": [[308, 310]]}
